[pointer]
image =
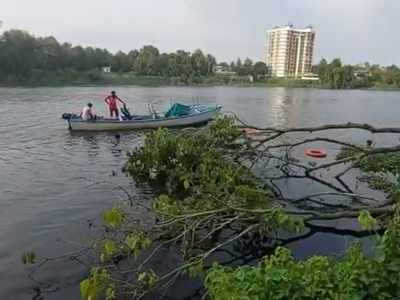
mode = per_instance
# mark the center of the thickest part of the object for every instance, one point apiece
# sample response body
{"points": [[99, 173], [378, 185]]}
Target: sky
{"points": [[354, 30]]}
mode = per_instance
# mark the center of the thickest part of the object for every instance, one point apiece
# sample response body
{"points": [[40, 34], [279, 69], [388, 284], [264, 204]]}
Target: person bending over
{"points": [[112, 102], [87, 113]]}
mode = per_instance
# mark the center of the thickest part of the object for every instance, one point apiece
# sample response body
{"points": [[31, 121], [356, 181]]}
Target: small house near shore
{"points": [[223, 70], [106, 69]]}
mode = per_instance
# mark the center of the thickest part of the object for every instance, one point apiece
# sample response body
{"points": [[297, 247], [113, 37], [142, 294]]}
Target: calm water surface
{"points": [[52, 182]]}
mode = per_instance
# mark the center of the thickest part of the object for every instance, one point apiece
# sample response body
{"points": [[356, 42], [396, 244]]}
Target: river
{"points": [[52, 182]]}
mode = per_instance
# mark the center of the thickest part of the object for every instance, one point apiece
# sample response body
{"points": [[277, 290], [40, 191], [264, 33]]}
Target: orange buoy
{"points": [[317, 153], [250, 131]]}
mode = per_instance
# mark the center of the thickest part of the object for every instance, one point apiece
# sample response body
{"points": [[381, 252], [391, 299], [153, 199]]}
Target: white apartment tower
{"points": [[290, 51]]}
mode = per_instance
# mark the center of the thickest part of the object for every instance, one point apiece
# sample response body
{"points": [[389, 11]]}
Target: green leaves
{"points": [[98, 284], [147, 279], [280, 219], [186, 184], [203, 191], [28, 258], [196, 269], [87, 290], [366, 221], [108, 250], [181, 162], [382, 171], [280, 277], [136, 242], [165, 205], [113, 217]]}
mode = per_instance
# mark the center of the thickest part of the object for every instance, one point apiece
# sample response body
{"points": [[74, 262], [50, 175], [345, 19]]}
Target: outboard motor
{"points": [[126, 115], [69, 116]]}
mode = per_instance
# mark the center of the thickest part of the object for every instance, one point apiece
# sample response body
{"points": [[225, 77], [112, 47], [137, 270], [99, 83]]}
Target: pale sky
{"points": [[354, 30]]}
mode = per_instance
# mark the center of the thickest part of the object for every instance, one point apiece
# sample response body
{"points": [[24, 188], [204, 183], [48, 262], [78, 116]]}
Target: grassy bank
{"points": [[94, 78], [101, 79]]}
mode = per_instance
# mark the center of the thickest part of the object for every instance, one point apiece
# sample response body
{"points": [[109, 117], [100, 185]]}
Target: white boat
{"points": [[194, 115]]}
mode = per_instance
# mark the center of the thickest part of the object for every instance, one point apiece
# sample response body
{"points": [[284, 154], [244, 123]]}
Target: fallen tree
{"points": [[219, 192]]}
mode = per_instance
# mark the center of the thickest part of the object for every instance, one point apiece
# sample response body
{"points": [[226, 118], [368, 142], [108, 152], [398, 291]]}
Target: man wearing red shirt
{"points": [[112, 102]]}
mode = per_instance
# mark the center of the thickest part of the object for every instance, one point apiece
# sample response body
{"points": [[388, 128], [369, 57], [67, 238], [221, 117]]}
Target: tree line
{"points": [[336, 75], [23, 56]]}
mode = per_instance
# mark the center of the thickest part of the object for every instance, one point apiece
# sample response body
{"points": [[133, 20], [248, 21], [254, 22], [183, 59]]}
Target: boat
{"points": [[178, 115]]}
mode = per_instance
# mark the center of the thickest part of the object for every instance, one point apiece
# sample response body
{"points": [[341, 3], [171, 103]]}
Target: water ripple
{"points": [[52, 180]]}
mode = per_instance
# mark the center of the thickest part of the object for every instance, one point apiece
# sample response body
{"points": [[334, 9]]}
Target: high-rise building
{"points": [[290, 51]]}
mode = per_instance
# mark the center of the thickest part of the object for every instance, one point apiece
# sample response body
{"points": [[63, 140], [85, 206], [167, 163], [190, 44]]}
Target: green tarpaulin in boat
{"points": [[178, 110]]}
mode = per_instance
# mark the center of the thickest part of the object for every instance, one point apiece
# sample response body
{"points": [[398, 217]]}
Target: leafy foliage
{"points": [[202, 189], [194, 163], [355, 276], [209, 200], [136, 242], [366, 221], [335, 75], [196, 172], [98, 284], [382, 170], [28, 258], [23, 57], [279, 276], [384, 162], [113, 217], [147, 280], [120, 242], [109, 249]]}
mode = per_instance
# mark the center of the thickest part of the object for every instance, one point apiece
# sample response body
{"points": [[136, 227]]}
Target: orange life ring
{"points": [[318, 153], [250, 131]]}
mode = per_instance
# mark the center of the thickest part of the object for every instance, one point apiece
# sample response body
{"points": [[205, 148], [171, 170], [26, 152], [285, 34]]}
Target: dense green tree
{"points": [[121, 63], [79, 58], [248, 63], [147, 60], [132, 56], [163, 65], [322, 70], [376, 73], [260, 68], [199, 63], [24, 57], [18, 54], [48, 53], [391, 76], [336, 63], [184, 64], [335, 75], [347, 76], [211, 63], [21, 55], [247, 68], [239, 63]]}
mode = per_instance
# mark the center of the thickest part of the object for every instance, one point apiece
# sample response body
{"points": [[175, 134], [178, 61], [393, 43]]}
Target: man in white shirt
{"points": [[87, 113]]}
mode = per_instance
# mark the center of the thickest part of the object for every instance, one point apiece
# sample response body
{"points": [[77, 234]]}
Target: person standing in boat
{"points": [[112, 102]]}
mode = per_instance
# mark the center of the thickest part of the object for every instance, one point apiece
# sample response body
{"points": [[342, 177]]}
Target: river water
{"points": [[52, 182]]}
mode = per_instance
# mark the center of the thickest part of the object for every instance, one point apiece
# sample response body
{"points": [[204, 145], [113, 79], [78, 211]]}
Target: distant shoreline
{"points": [[158, 81]]}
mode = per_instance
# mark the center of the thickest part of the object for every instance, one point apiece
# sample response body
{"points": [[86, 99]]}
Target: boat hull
{"points": [[115, 125]]}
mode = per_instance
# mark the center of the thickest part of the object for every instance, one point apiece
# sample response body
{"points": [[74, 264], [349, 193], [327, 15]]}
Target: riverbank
{"points": [[130, 79], [95, 79]]}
